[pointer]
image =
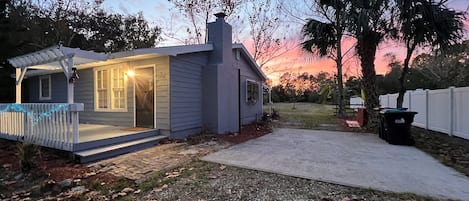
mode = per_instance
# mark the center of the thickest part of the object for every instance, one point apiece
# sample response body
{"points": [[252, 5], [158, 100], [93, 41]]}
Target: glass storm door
{"points": [[144, 97]]}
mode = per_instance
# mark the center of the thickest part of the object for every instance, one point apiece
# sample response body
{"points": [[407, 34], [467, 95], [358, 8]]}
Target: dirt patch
{"points": [[52, 167]]}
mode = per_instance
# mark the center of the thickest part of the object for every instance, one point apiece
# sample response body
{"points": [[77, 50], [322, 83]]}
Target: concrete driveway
{"points": [[352, 159]]}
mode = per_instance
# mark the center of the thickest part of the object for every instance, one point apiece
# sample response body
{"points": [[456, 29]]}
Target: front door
{"points": [[144, 97]]}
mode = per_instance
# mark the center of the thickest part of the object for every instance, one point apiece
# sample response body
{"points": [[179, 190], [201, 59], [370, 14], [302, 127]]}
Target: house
{"points": [[175, 91]]}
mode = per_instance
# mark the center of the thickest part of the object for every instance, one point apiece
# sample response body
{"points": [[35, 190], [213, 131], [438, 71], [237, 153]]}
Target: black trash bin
{"points": [[395, 125]]}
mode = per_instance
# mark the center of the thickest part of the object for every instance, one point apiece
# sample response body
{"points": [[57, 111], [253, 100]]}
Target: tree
{"points": [[325, 38], [288, 80], [268, 41], [199, 12], [425, 22], [138, 34], [389, 83], [352, 87], [369, 21], [441, 69]]}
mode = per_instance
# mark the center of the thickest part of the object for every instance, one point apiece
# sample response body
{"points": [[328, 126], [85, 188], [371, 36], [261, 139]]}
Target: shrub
{"points": [[275, 115], [26, 154]]}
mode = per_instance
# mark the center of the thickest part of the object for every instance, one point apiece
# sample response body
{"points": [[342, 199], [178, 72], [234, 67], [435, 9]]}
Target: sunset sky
{"points": [[163, 14]]}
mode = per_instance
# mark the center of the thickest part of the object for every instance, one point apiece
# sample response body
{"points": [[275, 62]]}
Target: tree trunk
{"points": [[340, 84], [339, 28], [405, 70], [366, 47]]}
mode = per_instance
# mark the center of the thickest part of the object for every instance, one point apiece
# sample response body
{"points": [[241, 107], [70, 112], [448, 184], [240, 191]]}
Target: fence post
{"points": [[451, 110], [410, 100], [387, 96], [426, 108]]}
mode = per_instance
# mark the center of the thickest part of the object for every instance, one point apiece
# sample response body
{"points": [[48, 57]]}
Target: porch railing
{"points": [[53, 125]]}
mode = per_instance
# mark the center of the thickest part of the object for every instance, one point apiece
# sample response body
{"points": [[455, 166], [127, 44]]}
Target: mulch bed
{"points": [[51, 165], [451, 151], [248, 132]]}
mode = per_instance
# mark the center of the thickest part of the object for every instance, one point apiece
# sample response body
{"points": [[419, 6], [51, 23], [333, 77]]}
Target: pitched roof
{"points": [[47, 59], [251, 60], [186, 49], [168, 51]]}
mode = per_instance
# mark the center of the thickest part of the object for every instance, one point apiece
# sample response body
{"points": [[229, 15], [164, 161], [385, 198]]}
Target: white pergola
{"points": [[57, 58]]}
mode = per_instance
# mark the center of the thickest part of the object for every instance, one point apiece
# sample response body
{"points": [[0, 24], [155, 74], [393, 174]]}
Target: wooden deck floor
{"points": [[92, 132]]}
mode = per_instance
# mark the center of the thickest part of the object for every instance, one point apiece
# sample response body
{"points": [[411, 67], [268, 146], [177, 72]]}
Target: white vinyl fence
{"points": [[442, 110], [356, 102], [52, 125]]}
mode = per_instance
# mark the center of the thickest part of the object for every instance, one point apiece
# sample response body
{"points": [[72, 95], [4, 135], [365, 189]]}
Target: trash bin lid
{"points": [[399, 110]]}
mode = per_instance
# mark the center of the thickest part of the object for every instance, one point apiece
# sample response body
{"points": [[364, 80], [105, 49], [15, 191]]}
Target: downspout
{"points": [[239, 101]]}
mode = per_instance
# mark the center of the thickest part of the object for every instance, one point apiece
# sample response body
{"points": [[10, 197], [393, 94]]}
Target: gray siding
{"points": [[84, 93], [249, 112], [58, 90], [162, 89], [186, 94]]}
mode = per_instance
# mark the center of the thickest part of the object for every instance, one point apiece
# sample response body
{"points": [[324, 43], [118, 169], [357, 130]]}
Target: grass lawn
{"points": [[306, 115]]}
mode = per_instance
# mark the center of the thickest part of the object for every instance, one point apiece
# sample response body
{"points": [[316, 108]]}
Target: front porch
{"points": [[53, 119], [56, 125], [95, 132]]}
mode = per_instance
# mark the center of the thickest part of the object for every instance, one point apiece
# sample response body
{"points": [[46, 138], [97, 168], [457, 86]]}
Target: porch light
{"points": [[130, 73]]}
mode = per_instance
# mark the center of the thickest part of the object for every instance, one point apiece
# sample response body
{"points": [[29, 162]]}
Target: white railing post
{"points": [[70, 85], [74, 112], [52, 125], [451, 110], [18, 85]]}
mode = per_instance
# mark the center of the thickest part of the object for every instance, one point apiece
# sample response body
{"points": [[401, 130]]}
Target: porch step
{"points": [[95, 154], [115, 140]]}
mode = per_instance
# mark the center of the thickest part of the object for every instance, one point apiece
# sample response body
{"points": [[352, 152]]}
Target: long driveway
{"points": [[352, 159]]}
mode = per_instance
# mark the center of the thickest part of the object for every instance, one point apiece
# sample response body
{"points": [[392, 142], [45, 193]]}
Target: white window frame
{"points": [[49, 97], [247, 93], [110, 89]]}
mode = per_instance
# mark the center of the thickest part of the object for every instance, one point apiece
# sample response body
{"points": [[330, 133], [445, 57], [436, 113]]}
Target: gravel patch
{"points": [[210, 181]]}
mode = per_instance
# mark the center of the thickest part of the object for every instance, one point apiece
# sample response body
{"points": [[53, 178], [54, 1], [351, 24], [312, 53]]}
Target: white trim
{"points": [[154, 93], [112, 87], [40, 78], [247, 95], [53, 54], [109, 89], [251, 60]]}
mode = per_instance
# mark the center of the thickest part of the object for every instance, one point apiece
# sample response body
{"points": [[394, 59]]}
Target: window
{"points": [[102, 89], [110, 89], [44, 87], [252, 91], [118, 89]]}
